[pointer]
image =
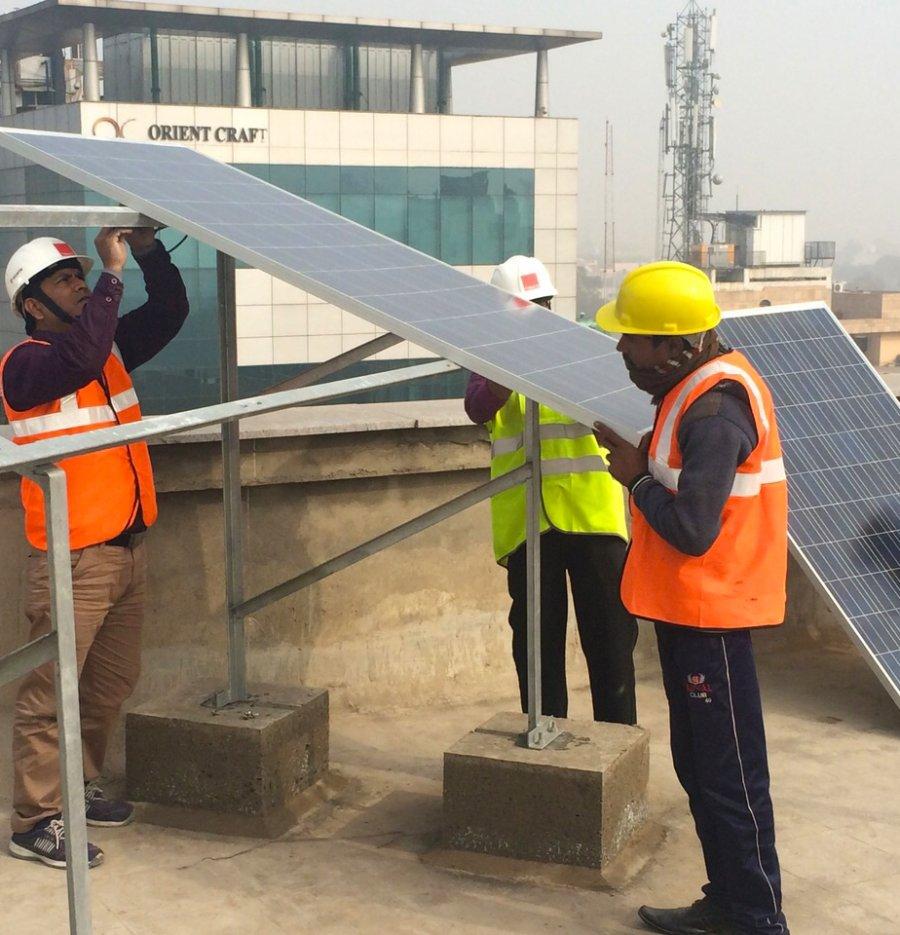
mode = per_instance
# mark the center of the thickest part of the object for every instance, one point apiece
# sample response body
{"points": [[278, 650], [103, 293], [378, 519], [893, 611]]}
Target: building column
{"points": [[7, 84], [542, 85], [242, 93], [445, 84], [416, 81], [90, 90], [58, 75]]}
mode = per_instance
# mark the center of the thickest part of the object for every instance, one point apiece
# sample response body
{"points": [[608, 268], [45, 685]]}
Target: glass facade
{"points": [[197, 68], [463, 216]]}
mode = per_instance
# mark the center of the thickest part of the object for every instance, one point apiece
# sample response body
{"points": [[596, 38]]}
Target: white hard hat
{"points": [[524, 276], [36, 256]]}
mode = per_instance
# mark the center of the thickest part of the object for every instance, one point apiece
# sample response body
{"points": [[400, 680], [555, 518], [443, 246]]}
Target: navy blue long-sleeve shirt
{"points": [[716, 435], [63, 362]]}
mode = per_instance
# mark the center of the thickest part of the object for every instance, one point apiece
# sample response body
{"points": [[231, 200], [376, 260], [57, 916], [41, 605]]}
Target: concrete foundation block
{"points": [[577, 802], [239, 770]]}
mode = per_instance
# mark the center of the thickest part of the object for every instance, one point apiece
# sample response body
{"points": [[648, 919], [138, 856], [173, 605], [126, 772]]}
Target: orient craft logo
{"points": [[118, 129]]}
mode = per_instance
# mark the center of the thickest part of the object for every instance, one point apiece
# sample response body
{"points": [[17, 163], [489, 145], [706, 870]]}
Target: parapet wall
{"points": [[423, 623]]}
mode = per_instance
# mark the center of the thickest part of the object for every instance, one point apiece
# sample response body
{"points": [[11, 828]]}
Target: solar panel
{"points": [[520, 345], [840, 431]]}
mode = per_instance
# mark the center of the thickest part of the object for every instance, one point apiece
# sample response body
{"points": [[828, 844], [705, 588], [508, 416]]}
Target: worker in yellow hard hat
{"points": [[707, 565]]}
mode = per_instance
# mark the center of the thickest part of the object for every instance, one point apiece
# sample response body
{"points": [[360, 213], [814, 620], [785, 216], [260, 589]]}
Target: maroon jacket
{"points": [[66, 361]]}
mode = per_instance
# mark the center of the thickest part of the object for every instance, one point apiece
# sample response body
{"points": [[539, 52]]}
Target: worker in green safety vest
{"points": [[583, 533]]}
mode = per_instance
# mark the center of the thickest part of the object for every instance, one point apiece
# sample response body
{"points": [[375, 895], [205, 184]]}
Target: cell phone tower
{"points": [[687, 137]]}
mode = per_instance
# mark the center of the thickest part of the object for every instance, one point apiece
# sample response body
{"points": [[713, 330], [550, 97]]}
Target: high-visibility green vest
{"points": [[578, 493]]}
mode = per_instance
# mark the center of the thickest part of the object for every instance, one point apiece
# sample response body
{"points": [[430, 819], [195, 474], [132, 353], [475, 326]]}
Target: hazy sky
{"points": [[810, 96]]}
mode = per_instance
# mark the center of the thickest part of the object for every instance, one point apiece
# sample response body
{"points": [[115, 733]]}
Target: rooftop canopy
{"points": [[53, 24]]}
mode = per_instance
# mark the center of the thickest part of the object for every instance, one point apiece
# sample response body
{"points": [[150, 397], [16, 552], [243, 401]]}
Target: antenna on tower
{"points": [[687, 138], [609, 214]]}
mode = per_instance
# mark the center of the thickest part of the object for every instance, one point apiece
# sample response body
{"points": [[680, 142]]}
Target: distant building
{"points": [[758, 256], [873, 319], [355, 114]]}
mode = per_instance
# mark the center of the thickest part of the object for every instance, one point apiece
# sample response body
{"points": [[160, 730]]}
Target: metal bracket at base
{"points": [[222, 699], [542, 735]]}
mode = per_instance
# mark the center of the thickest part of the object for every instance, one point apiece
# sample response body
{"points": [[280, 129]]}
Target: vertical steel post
{"points": [[52, 481], [155, 89], [8, 79], [90, 84], [243, 95], [542, 85], [231, 485], [416, 80], [541, 729]]}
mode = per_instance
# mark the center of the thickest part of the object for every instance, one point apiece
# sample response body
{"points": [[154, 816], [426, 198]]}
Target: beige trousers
{"points": [[109, 585]]}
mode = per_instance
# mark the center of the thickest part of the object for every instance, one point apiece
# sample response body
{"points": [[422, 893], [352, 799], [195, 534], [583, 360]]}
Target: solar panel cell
{"points": [[840, 430]]}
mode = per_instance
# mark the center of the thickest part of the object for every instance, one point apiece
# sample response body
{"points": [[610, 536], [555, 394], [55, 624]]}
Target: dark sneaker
{"points": [[102, 812], [46, 842], [704, 917]]}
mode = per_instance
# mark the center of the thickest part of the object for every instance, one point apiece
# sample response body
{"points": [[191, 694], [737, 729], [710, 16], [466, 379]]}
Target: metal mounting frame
{"points": [[38, 461]]}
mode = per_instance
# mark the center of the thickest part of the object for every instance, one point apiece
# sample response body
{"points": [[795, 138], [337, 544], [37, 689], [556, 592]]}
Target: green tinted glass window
{"points": [[323, 180], [487, 229], [424, 180], [291, 178], [390, 216], [357, 180], [518, 225], [424, 224], [391, 180], [456, 230], [359, 208]]}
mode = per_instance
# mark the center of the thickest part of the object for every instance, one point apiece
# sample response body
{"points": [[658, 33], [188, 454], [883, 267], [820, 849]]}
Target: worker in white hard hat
{"points": [[583, 534], [72, 375]]}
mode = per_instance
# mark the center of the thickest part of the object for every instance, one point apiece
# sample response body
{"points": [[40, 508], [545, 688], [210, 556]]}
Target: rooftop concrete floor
{"points": [[354, 864]]}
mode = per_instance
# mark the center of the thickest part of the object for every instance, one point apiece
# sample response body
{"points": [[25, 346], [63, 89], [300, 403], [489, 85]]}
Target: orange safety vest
{"points": [[104, 487], [740, 581]]}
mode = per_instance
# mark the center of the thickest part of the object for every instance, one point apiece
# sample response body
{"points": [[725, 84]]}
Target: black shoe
{"points": [[46, 842], [102, 812], [703, 917]]}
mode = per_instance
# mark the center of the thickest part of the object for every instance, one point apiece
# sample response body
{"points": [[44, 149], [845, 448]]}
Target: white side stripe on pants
{"points": [[737, 747]]}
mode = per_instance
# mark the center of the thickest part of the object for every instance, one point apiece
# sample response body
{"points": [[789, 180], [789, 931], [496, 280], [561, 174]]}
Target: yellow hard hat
{"points": [[661, 298]]}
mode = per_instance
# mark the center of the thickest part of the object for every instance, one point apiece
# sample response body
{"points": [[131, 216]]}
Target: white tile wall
{"points": [[487, 135], [544, 211], [284, 293], [456, 134], [324, 319], [391, 132], [545, 245], [357, 131], [324, 347], [254, 321], [567, 136], [252, 287], [353, 324], [425, 132], [544, 181], [567, 211], [290, 350], [254, 352], [289, 321], [287, 129], [567, 181], [518, 135]]}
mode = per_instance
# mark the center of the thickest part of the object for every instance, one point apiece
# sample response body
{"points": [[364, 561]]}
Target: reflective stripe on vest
{"points": [[101, 485], [578, 493], [740, 580]]}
